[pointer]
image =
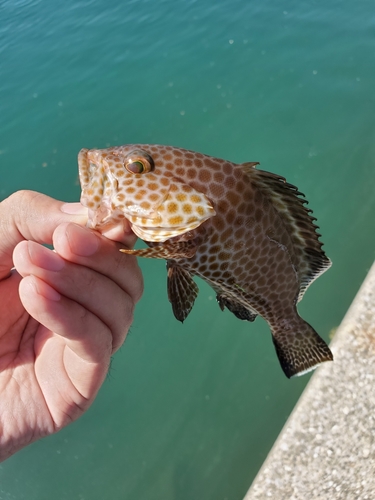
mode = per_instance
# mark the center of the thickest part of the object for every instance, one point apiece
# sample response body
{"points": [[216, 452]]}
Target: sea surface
{"points": [[190, 411]]}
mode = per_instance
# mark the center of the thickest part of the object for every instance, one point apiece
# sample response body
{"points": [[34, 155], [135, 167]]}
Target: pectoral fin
{"points": [[167, 250], [182, 290]]}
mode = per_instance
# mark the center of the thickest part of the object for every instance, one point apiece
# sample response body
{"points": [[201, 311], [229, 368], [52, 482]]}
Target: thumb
{"points": [[27, 215]]}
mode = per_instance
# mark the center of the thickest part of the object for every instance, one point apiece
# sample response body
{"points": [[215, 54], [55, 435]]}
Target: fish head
{"points": [[135, 183]]}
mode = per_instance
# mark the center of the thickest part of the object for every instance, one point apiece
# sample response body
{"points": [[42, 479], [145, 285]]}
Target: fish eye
{"points": [[139, 162], [135, 167]]}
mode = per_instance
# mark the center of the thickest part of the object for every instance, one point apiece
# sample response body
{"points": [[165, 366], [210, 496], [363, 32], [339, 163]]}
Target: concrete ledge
{"points": [[327, 448]]}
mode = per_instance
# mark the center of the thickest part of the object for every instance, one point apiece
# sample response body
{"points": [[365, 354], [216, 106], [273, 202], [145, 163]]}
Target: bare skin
{"points": [[62, 314]]}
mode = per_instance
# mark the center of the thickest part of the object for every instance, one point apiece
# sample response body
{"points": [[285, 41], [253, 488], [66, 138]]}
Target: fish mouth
{"points": [[89, 166]]}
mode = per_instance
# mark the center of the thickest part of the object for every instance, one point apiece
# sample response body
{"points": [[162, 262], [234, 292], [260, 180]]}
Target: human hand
{"points": [[62, 314]]}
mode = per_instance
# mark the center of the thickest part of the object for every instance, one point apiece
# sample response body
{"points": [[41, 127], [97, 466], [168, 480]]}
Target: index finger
{"points": [[28, 215]]}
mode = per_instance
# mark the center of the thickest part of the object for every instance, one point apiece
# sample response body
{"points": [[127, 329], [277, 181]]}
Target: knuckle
{"points": [[23, 198], [122, 325], [132, 275]]}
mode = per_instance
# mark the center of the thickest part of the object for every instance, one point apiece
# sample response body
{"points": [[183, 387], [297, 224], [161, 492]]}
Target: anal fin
{"points": [[182, 290], [240, 311]]}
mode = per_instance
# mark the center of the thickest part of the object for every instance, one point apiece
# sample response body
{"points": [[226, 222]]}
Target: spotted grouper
{"points": [[245, 231]]}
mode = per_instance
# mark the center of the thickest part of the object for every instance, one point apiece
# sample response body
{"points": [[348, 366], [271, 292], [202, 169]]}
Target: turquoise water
{"points": [[190, 411]]}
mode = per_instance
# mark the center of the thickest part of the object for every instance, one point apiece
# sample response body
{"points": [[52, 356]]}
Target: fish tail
{"points": [[299, 348]]}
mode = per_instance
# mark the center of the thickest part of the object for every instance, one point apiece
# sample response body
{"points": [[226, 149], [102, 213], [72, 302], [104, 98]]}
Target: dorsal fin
{"points": [[289, 203]]}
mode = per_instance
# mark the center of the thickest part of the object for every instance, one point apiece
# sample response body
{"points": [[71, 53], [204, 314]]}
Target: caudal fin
{"points": [[299, 348]]}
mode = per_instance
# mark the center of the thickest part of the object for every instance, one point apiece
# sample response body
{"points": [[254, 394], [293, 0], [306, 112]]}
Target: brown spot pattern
{"points": [[255, 242]]}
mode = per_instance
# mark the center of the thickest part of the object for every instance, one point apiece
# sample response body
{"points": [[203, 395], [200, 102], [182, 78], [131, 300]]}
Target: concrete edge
{"points": [[326, 449]]}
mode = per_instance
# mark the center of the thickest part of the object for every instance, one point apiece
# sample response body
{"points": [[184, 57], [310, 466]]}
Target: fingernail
{"points": [[73, 209], [83, 241], [44, 258]]}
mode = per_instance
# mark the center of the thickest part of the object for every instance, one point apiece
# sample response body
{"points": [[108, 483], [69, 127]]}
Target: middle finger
{"points": [[92, 290]]}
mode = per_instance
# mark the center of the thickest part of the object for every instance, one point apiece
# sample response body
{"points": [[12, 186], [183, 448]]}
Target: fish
{"points": [[245, 231]]}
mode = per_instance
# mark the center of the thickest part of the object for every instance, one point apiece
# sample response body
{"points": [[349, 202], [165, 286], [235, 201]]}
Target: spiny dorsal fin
{"points": [[250, 164], [289, 203]]}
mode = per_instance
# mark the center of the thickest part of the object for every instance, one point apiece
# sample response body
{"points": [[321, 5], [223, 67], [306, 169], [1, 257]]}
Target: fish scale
{"points": [[245, 231]]}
